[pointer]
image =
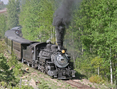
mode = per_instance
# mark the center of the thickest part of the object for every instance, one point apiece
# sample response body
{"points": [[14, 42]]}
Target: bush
{"points": [[2, 46], [6, 75], [96, 79], [23, 87], [79, 74], [44, 86], [15, 65]]}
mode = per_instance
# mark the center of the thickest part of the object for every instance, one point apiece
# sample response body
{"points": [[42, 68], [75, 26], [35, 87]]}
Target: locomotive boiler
{"points": [[42, 55]]}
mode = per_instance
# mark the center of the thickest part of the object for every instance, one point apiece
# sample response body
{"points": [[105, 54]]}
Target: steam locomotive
{"points": [[45, 56]]}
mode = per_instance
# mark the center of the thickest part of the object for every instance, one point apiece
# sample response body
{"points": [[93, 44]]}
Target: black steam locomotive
{"points": [[45, 56]]}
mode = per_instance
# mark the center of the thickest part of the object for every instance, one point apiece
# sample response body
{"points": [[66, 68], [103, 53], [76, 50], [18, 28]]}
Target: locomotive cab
{"points": [[30, 55]]}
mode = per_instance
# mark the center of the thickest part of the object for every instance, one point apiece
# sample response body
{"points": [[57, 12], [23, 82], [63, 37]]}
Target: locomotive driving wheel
{"points": [[28, 63], [33, 64]]}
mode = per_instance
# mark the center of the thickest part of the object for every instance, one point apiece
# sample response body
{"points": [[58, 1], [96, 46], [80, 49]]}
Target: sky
{"points": [[5, 1]]}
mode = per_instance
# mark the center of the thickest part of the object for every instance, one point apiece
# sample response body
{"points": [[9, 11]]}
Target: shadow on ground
{"points": [[79, 76]]}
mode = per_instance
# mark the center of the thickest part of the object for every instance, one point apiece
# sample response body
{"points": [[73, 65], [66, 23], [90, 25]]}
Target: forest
{"points": [[2, 5], [90, 37]]}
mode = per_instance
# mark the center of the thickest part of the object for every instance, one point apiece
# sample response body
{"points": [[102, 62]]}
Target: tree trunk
{"points": [[115, 66], [82, 43], [82, 50], [111, 74], [73, 49]]}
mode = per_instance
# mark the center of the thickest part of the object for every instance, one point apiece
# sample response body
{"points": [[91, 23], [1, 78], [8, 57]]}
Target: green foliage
{"points": [[13, 10], [9, 68], [45, 19], [44, 86], [6, 75], [16, 67], [2, 46], [96, 79], [28, 19], [2, 6], [97, 61], [36, 19], [4, 84], [2, 25], [91, 38], [93, 32], [23, 87]]}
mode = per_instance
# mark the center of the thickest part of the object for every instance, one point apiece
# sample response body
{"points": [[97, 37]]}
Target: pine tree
{"points": [[13, 10]]}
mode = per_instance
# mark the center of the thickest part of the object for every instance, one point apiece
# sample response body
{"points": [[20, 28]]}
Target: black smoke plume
{"points": [[62, 17]]}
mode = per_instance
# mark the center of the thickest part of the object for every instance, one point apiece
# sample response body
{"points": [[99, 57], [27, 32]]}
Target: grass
{"points": [[97, 81], [44, 80]]}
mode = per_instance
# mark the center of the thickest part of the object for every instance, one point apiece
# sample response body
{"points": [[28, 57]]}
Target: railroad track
{"points": [[3, 11], [78, 85]]}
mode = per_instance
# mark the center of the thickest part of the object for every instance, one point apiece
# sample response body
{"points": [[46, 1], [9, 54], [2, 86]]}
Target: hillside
{"points": [[27, 77]]}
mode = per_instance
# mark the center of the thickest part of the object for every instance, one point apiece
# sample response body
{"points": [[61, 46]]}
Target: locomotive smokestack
{"points": [[62, 17]]}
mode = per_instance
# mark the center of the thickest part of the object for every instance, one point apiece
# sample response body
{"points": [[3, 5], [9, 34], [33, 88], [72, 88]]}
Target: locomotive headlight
{"points": [[63, 51]]}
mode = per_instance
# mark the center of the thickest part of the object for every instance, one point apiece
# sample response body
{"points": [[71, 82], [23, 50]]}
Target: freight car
{"points": [[45, 56]]}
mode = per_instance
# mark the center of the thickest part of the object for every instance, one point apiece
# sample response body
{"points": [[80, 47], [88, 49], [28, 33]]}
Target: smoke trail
{"points": [[62, 19]]}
